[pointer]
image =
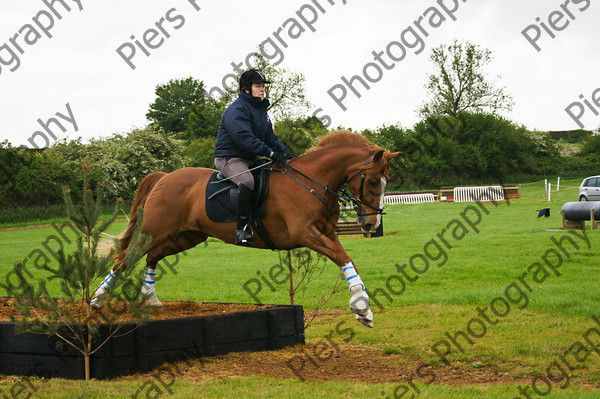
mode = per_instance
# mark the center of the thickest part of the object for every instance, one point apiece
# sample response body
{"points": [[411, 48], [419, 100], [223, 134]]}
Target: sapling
{"points": [[59, 304]]}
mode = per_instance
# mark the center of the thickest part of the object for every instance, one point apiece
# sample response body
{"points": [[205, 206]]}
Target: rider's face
{"points": [[258, 90]]}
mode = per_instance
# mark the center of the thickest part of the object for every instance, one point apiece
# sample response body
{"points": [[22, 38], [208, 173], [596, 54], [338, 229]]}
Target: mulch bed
{"points": [[170, 310]]}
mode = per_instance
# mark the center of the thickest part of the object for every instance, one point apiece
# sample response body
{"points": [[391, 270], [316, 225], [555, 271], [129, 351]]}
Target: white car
{"points": [[590, 189]]}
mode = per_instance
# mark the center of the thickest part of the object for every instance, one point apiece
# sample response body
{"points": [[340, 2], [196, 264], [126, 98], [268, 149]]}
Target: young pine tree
{"points": [[70, 316]]}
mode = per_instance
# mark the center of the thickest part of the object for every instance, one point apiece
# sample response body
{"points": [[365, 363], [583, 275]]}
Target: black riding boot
{"points": [[243, 232]]}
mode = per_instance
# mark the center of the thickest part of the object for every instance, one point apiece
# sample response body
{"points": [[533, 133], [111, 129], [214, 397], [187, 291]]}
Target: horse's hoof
{"points": [[155, 303], [152, 299], [364, 322], [365, 319], [96, 305], [368, 323]]}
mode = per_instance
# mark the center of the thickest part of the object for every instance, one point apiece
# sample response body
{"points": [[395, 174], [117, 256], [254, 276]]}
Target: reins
{"points": [[343, 197], [241, 173]]}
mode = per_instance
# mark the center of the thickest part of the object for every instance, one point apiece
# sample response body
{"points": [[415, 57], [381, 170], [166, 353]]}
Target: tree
{"points": [[183, 106], [393, 138], [390, 137], [71, 318], [305, 266], [300, 134], [459, 83], [591, 146], [11, 163], [286, 92], [203, 120], [127, 159], [200, 152], [470, 148]]}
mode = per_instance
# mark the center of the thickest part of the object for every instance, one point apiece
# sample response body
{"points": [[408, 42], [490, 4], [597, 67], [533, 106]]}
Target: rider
{"points": [[245, 133]]}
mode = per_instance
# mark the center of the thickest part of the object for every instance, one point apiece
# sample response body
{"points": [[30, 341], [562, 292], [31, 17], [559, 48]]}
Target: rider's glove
{"points": [[277, 157]]}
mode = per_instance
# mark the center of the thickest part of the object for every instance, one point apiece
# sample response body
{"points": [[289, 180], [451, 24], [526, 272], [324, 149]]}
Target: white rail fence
{"points": [[408, 199], [478, 193], [459, 194]]}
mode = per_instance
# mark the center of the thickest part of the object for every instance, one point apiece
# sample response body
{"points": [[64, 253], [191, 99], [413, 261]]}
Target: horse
{"points": [[302, 209]]}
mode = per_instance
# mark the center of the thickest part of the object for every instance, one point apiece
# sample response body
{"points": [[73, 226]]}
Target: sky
{"points": [[91, 71]]}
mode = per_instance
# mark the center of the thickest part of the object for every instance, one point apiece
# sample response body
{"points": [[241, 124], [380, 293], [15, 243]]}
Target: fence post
{"points": [[549, 191], [558, 184]]}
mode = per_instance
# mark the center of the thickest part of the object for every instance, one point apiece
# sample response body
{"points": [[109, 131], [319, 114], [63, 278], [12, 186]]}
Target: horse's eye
{"points": [[373, 183]]}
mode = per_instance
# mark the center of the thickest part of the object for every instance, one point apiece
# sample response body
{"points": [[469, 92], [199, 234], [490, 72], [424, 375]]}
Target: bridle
{"points": [[344, 197], [359, 201]]}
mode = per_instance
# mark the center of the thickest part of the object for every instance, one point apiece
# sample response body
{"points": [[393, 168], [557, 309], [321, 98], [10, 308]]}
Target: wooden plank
{"points": [[209, 335], [273, 327], [160, 334], [41, 365], [28, 343], [141, 345], [238, 327]]}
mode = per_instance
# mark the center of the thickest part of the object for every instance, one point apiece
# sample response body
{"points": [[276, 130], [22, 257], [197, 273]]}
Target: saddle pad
{"points": [[218, 202]]}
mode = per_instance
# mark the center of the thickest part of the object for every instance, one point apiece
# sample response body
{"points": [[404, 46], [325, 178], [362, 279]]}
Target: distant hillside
{"points": [[571, 136]]}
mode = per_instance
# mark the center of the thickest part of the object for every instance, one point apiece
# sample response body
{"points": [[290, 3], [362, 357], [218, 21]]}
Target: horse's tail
{"points": [[141, 195]]}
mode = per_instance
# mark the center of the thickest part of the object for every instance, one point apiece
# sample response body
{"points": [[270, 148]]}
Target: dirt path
{"points": [[46, 226], [346, 362]]}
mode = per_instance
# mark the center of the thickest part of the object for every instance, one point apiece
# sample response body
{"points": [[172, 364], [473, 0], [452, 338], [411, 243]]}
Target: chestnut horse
{"points": [[302, 209]]}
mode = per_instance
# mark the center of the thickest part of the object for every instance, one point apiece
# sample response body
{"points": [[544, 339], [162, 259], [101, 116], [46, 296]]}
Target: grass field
{"points": [[524, 295]]}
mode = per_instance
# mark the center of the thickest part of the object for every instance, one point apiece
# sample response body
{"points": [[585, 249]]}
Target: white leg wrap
{"points": [[359, 301], [149, 288], [352, 277], [149, 282], [100, 292]]}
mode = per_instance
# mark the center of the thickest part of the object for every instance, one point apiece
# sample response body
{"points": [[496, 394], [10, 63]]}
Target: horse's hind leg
{"points": [[99, 293], [148, 288], [160, 249]]}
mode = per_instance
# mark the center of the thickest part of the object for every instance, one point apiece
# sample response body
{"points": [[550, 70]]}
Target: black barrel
{"points": [[581, 210]]}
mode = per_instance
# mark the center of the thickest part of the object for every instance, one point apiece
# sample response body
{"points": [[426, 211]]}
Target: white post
{"points": [[558, 184], [549, 191], [545, 187]]}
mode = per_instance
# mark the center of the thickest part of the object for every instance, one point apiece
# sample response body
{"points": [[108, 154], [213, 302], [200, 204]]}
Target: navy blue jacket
{"points": [[246, 131]]}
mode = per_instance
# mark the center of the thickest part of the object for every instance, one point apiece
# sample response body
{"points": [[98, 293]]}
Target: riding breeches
{"points": [[235, 167]]}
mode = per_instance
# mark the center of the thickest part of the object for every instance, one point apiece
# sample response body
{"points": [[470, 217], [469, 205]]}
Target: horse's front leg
{"points": [[99, 294], [331, 247]]}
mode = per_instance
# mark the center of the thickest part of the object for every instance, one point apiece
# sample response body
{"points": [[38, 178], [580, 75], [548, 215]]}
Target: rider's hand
{"points": [[289, 155], [277, 157]]}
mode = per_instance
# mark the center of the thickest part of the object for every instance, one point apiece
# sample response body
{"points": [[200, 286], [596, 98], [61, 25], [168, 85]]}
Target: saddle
{"points": [[221, 201]]}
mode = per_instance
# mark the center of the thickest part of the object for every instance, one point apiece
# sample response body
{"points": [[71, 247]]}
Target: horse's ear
{"points": [[391, 155], [378, 155]]}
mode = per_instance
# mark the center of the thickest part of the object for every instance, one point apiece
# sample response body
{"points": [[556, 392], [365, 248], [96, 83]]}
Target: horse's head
{"points": [[367, 181]]}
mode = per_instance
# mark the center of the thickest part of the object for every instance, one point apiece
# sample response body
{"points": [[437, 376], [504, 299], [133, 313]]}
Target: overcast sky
{"points": [[80, 66]]}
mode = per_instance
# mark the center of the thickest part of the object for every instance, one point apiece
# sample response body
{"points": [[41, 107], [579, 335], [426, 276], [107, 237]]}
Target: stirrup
{"points": [[244, 236]]}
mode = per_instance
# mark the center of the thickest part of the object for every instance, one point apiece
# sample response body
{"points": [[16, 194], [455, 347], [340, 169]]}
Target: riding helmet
{"points": [[251, 76]]}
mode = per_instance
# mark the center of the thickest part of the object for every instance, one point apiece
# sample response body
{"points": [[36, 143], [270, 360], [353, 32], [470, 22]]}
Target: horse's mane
{"points": [[345, 138]]}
